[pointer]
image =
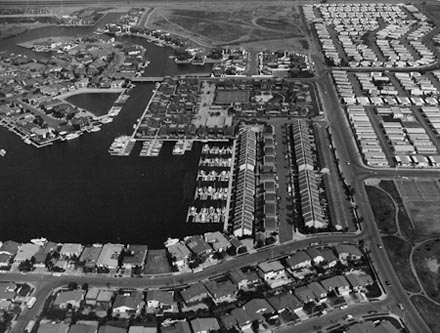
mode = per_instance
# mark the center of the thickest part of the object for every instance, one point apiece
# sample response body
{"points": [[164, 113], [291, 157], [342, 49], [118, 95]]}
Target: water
{"points": [[97, 103], [76, 192]]}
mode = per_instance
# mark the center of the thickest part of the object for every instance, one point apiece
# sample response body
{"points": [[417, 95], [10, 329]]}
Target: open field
{"points": [[427, 263], [421, 199], [398, 252], [236, 24], [231, 96], [157, 262], [429, 311], [383, 210]]}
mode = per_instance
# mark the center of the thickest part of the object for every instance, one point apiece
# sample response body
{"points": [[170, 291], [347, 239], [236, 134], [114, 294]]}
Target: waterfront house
{"points": [[83, 83], [70, 250], [338, 284], [198, 246], [218, 242], [348, 252], [43, 252], [237, 245], [204, 325], [285, 302], [53, 328], [142, 329], [245, 280], [161, 300], [111, 329], [26, 252], [72, 297], [222, 292], [194, 293], [5, 260], [128, 303], [180, 254], [109, 256], [10, 248], [135, 257], [299, 259], [89, 257]]}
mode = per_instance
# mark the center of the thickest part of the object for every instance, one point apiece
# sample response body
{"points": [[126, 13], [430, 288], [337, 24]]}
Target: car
{"points": [[343, 307], [348, 317], [388, 283], [347, 162], [380, 246], [400, 305]]}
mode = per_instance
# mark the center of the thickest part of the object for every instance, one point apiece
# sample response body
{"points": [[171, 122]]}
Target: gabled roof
{"points": [[131, 301], [297, 258], [284, 301], [337, 281], [205, 324], [193, 290], [222, 289], [68, 296]]}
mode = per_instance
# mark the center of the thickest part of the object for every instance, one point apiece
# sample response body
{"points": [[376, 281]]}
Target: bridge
{"points": [[147, 79]]}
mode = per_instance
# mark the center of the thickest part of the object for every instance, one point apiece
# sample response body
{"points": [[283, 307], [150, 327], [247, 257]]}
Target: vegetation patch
{"points": [[383, 209], [398, 252], [429, 311], [426, 260]]}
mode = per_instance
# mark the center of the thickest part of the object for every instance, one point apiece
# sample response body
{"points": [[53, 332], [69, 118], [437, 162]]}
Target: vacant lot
{"points": [[383, 209], [421, 198], [429, 312], [232, 24], [157, 262], [427, 263], [398, 251]]}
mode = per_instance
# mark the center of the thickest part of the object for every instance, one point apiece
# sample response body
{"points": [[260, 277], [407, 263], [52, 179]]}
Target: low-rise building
{"points": [[299, 259], [245, 280], [129, 303], [338, 284], [26, 252], [53, 328], [135, 257], [285, 302], [89, 257], [194, 293], [72, 297], [218, 242], [161, 300], [109, 256], [69, 250], [222, 292], [271, 270], [348, 252], [179, 253], [359, 281], [204, 325]]}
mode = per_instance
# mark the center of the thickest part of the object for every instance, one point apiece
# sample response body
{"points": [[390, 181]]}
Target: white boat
{"points": [[95, 129], [106, 120], [39, 241], [72, 136], [171, 241], [2, 152], [179, 148]]}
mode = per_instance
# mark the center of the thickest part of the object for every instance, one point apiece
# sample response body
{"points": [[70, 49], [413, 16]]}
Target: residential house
{"points": [[104, 300], [271, 271], [142, 329], [89, 257], [318, 291], [330, 260], [136, 257], [111, 329], [26, 252], [222, 292], [177, 327], [72, 297], [305, 294], [109, 256], [359, 281], [5, 260], [285, 302], [299, 259], [338, 284], [198, 246], [241, 319], [70, 250], [194, 293], [84, 327], [161, 300], [348, 252], [218, 242], [204, 325], [238, 246], [245, 280], [129, 303], [53, 328], [315, 255], [91, 295], [43, 252], [180, 254], [7, 291], [258, 307]]}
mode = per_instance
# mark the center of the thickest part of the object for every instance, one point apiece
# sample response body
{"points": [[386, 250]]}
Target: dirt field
{"points": [[429, 312], [426, 261], [252, 25], [231, 96], [383, 209], [421, 200]]}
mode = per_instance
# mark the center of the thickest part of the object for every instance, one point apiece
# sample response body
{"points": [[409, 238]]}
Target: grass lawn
{"points": [[383, 209], [157, 262], [426, 261], [398, 252], [429, 312]]}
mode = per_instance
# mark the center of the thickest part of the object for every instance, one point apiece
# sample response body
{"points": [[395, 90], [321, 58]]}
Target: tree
{"points": [[85, 286], [72, 285]]}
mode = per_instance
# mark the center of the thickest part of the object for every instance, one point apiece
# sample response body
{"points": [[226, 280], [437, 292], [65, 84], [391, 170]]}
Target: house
{"points": [[348, 252], [305, 294], [84, 327], [109, 256], [204, 325], [338, 284], [198, 246], [330, 260], [258, 307], [10, 247], [271, 270], [72, 297], [7, 291], [91, 296], [315, 255], [285, 302], [245, 280], [237, 246], [69, 250], [318, 291], [180, 254], [136, 257], [5, 260], [161, 299], [218, 242], [128, 303], [241, 319], [177, 327], [89, 257], [104, 300], [43, 252], [359, 281], [222, 292], [26, 252], [53, 328], [194, 293], [142, 329], [299, 259]]}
